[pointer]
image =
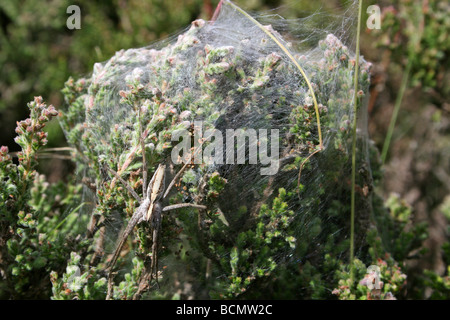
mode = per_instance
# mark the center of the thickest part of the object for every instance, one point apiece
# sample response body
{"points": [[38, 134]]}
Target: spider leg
{"points": [[150, 185], [135, 219], [183, 205], [154, 262], [180, 172], [144, 162], [156, 224], [130, 190], [175, 179], [144, 168]]}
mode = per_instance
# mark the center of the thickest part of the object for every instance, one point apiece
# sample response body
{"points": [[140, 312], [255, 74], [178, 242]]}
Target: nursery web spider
{"points": [[150, 209]]}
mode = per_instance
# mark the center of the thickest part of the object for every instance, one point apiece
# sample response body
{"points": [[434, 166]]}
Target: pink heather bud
{"points": [[156, 92], [54, 112], [198, 23], [45, 113], [185, 114], [322, 108], [364, 281], [389, 296], [171, 60], [4, 150], [38, 100], [21, 124]]}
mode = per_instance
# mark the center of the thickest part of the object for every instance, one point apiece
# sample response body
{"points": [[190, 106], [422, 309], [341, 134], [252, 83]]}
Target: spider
{"points": [[150, 209]]}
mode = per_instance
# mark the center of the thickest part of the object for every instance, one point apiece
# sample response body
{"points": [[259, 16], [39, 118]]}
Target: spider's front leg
{"points": [[137, 217], [156, 226], [151, 272]]}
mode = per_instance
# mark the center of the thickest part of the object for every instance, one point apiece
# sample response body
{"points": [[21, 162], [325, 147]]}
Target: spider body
{"points": [[151, 210]]}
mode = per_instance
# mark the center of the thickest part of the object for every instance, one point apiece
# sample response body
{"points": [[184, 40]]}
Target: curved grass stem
{"points": [[290, 56], [355, 109], [398, 103]]}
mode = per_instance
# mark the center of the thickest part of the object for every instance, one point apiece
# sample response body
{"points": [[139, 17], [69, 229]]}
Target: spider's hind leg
{"points": [[174, 180], [156, 225], [130, 190], [144, 161]]}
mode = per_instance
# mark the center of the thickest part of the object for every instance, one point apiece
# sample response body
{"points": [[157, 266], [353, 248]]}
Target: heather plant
{"points": [[37, 231], [397, 231], [279, 235], [383, 286], [39, 52], [413, 39], [440, 283], [255, 227], [415, 35]]}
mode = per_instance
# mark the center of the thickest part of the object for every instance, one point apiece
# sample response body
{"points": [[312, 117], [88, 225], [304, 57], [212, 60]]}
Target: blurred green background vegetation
{"points": [[38, 53]]}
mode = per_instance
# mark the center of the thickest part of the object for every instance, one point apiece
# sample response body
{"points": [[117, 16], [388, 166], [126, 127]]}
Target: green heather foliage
{"points": [[418, 34], [414, 37], [440, 283], [37, 230]]}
